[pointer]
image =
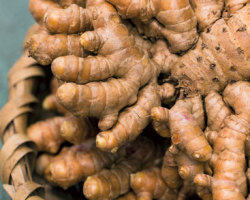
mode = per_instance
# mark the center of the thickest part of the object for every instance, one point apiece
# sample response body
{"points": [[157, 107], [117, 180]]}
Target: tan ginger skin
{"points": [[148, 184], [51, 133], [220, 56], [109, 184], [138, 73], [46, 134], [128, 196], [207, 12], [208, 73], [177, 19], [186, 120], [228, 159], [74, 164]]}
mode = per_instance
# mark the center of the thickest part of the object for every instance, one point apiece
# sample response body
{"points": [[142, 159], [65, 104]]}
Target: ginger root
{"points": [[74, 164], [175, 19], [228, 159], [148, 184], [51, 133]]}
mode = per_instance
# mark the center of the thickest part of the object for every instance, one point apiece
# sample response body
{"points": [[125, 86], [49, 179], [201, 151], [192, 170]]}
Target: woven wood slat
{"points": [[18, 152]]}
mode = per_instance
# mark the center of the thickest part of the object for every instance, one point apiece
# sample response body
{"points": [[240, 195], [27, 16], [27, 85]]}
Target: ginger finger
{"points": [[46, 134], [177, 18], [207, 12], [148, 184], [109, 184], [70, 20], [73, 164], [38, 8], [186, 129], [228, 159], [45, 48]]}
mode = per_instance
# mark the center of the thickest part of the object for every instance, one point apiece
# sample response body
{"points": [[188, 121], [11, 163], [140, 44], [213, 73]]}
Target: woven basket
{"points": [[18, 153]]}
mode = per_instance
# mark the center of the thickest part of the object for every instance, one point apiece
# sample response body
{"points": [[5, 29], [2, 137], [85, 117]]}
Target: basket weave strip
{"points": [[18, 153]]}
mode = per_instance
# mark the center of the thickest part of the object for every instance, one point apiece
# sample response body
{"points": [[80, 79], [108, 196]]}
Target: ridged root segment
{"points": [[70, 20], [38, 8], [207, 12], [160, 118], [98, 99], [216, 117], [76, 130], [186, 130], [169, 171], [45, 48], [148, 184], [177, 18], [46, 134], [131, 121], [74, 164], [228, 159], [109, 184], [220, 56]]}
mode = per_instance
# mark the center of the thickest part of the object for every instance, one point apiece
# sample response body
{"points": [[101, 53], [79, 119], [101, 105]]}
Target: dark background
{"points": [[14, 21]]}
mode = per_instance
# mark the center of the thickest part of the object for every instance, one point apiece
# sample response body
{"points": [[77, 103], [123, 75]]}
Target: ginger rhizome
{"points": [[109, 86], [109, 184], [148, 184], [90, 96], [220, 56], [185, 120], [46, 134], [75, 163], [228, 159], [108, 70], [175, 19], [51, 133]]}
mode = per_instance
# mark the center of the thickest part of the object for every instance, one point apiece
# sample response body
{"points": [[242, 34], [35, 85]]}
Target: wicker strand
{"points": [[18, 152]]}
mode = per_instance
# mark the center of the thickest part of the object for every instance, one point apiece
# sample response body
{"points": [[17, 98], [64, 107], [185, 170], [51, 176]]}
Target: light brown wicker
{"points": [[18, 153]]}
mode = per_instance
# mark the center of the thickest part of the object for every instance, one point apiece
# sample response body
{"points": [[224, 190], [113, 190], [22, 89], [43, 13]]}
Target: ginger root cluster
{"points": [[126, 70]]}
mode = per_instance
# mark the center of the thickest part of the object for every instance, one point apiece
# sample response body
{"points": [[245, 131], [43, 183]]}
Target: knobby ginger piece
{"points": [[148, 184], [228, 159], [177, 19], [74, 164]]}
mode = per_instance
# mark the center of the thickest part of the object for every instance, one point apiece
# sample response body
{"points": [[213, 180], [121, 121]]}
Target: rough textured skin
{"points": [[232, 6], [45, 48], [207, 11], [177, 19], [148, 185], [74, 163], [228, 159], [221, 56]]}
